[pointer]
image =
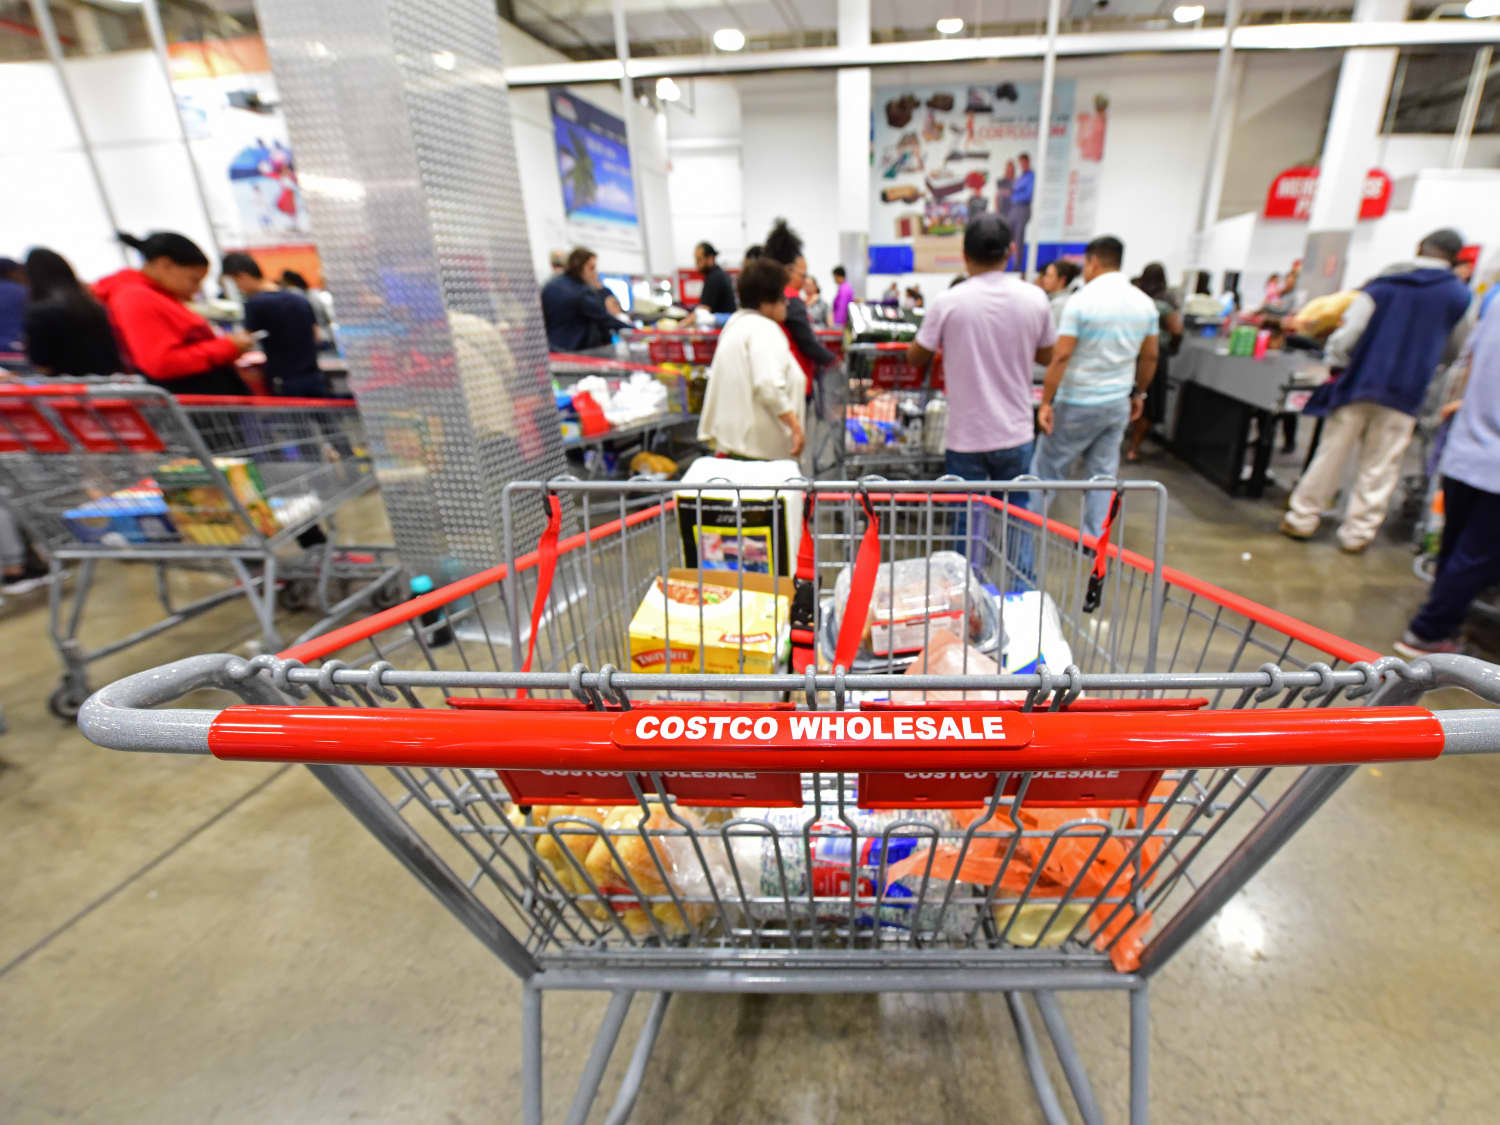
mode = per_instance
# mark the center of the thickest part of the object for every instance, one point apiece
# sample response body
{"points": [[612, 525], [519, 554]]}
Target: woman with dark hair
{"points": [[784, 245], [1153, 283], [754, 406], [573, 309], [67, 331], [159, 335]]}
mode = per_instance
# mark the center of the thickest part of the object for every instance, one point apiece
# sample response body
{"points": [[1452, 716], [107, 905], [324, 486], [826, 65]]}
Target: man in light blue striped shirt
{"points": [[1104, 360]]}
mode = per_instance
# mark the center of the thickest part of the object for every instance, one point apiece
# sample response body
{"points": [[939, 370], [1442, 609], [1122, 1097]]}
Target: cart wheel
{"points": [[294, 595], [388, 595], [65, 702]]}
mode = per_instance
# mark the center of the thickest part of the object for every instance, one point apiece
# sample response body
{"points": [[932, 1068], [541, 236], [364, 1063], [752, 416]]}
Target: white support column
{"points": [[853, 97], [1220, 127], [1044, 135], [632, 134], [159, 45], [1459, 150], [1349, 149]]}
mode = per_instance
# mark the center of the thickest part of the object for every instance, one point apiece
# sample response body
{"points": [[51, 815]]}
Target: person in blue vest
{"points": [[1391, 339]]}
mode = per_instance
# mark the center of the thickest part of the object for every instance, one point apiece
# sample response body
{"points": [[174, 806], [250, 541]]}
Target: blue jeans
{"points": [[1468, 561], [1091, 434], [995, 465]]}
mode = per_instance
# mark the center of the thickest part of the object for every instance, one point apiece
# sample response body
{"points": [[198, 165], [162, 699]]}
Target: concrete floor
{"points": [[184, 940]]}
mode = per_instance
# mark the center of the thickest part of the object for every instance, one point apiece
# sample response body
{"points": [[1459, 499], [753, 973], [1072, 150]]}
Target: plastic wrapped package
{"points": [[947, 655], [1062, 860], [567, 837], [822, 868], [913, 598], [677, 858]]}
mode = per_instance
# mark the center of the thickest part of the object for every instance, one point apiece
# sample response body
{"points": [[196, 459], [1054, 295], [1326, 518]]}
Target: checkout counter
{"points": [[1222, 409]]}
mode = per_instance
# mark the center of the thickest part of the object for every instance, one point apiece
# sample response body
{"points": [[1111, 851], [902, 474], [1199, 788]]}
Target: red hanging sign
{"points": [[1291, 194], [22, 427]]}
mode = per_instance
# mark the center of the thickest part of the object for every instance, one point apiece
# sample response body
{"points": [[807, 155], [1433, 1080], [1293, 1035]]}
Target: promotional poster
{"points": [[944, 154], [593, 164]]}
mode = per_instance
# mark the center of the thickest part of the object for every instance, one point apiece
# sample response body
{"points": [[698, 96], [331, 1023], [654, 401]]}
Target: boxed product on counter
{"points": [[713, 624], [199, 507]]}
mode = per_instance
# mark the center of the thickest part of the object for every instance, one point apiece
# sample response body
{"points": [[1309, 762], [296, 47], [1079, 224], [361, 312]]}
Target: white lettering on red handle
{"points": [[807, 728]]}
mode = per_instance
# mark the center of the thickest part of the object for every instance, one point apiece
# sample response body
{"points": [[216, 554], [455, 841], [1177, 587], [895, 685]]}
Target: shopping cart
{"points": [[123, 470], [1064, 824], [889, 415]]}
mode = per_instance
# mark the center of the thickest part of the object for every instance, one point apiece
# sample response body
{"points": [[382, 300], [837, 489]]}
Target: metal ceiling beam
{"points": [[1264, 37]]}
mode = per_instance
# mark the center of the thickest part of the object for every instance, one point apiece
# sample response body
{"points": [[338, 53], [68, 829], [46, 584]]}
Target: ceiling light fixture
{"points": [[444, 60], [1187, 13], [949, 25], [1482, 9], [667, 90], [729, 39]]}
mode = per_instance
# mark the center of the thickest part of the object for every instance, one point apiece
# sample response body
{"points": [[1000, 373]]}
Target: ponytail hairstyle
{"points": [[178, 249]]}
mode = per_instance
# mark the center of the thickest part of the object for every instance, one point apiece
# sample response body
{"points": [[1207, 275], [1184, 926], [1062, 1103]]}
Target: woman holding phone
{"points": [[160, 336]]}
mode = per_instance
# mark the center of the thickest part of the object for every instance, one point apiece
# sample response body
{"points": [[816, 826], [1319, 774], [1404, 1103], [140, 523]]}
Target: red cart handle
{"points": [[861, 588], [642, 740]]}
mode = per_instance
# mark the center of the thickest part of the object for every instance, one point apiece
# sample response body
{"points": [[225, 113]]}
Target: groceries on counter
{"points": [[200, 509], [913, 597], [710, 624]]}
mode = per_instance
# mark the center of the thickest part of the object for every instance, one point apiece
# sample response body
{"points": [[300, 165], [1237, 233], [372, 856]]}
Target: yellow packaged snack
{"points": [[710, 622]]}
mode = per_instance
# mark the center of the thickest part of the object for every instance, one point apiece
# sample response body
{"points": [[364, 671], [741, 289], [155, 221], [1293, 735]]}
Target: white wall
{"points": [[1410, 153], [705, 175], [790, 135], [49, 193]]}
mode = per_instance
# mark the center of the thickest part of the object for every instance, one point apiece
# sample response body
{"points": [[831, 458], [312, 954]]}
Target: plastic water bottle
{"points": [[443, 634]]}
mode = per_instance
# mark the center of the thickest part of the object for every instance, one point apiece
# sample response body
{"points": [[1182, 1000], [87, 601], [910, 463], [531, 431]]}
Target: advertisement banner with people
{"points": [[943, 154], [231, 111], [593, 163]]}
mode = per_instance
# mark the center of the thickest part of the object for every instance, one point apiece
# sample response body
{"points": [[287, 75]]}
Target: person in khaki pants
{"points": [[1390, 341]]}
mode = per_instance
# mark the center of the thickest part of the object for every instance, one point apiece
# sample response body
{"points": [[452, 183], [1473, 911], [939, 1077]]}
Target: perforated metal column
{"points": [[401, 131]]}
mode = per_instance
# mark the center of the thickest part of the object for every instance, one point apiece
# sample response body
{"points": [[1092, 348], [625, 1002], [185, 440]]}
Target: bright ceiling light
{"points": [[1187, 13], [444, 60], [1482, 9], [949, 25], [667, 90], [729, 39]]}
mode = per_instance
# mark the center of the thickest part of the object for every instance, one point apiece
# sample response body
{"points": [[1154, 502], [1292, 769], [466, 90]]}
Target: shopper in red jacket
{"points": [[161, 337]]}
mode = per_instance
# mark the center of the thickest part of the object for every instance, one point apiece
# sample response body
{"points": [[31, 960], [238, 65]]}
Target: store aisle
{"points": [[184, 940]]}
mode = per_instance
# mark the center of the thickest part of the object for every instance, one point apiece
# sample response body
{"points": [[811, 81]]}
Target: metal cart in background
{"points": [[889, 416], [248, 486], [684, 401], [1045, 828]]}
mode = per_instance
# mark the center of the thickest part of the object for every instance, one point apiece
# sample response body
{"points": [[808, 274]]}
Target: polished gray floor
{"points": [[184, 940]]}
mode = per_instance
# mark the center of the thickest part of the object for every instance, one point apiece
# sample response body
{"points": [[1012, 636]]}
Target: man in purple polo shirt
{"points": [[990, 329]]}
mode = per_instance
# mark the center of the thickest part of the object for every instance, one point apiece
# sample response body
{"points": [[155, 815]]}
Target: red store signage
{"points": [[1291, 194]]}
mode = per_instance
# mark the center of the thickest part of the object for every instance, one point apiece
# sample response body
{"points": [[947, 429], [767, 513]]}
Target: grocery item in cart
{"points": [[935, 426], [912, 597], [789, 871], [563, 836], [742, 525], [131, 515], [202, 512], [1057, 862], [947, 655], [709, 618], [628, 853], [1033, 634]]}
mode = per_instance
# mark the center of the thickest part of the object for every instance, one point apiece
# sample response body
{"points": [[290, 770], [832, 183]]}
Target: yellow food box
{"points": [[755, 621]]}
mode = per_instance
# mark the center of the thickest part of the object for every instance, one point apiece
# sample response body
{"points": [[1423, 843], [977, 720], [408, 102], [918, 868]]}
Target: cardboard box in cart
{"points": [[755, 622]]}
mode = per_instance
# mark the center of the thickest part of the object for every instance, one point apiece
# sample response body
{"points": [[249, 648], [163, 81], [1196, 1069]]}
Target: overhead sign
{"points": [[1291, 194]]}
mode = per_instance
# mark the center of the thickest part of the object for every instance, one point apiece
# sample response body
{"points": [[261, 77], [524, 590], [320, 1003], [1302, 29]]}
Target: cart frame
{"points": [[458, 749]]}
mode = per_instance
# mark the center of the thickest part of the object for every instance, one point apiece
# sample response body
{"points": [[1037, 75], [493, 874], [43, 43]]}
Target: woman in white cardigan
{"points": [[753, 408]]}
